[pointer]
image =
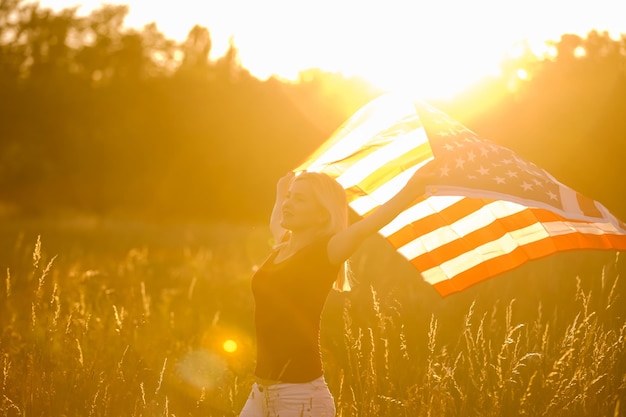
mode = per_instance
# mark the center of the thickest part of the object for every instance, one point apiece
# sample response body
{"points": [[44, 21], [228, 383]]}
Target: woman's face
{"points": [[301, 210]]}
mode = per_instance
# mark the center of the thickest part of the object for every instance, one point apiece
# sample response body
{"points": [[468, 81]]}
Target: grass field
{"points": [[103, 318]]}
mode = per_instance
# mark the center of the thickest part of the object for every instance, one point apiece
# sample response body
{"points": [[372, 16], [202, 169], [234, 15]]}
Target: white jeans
{"points": [[308, 399]]}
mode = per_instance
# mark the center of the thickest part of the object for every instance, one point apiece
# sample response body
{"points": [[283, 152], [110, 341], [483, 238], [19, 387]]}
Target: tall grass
{"points": [[104, 324], [136, 333], [498, 367], [500, 360]]}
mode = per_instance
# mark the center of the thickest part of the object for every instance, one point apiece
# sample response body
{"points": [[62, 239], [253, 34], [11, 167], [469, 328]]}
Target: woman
{"points": [[310, 220]]}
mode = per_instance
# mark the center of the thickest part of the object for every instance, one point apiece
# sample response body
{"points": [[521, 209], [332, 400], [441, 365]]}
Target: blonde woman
{"points": [[310, 220]]}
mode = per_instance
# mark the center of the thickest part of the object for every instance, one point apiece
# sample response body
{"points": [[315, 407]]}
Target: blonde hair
{"points": [[332, 197]]}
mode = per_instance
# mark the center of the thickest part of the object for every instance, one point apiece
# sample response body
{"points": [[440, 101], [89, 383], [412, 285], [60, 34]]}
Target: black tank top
{"points": [[289, 299]]}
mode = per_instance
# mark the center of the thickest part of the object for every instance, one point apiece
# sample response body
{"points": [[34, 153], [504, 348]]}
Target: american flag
{"points": [[487, 212]]}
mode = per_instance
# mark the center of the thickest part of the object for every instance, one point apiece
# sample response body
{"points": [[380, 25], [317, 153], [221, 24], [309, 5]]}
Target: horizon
{"points": [[383, 44]]}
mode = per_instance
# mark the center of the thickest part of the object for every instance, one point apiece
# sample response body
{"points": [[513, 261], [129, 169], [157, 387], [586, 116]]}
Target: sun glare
{"points": [[434, 50]]}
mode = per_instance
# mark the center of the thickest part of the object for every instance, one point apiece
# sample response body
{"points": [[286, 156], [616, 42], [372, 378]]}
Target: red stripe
{"points": [[587, 206]]}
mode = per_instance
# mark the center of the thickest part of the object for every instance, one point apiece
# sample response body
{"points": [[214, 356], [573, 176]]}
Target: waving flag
{"points": [[487, 212]]}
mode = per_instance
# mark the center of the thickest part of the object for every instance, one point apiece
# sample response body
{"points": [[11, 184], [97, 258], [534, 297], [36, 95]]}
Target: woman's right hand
{"points": [[283, 184], [282, 188]]}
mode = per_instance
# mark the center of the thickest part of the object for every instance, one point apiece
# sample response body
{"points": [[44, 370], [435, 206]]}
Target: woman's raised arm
{"points": [[343, 244]]}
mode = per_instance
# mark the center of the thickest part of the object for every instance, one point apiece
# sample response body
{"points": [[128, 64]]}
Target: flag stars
{"points": [[511, 174], [471, 156], [483, 171], [527, 186], [447, 132], [444, 171], [460, 163], [484, 151], [506, 161], [448, 147], [499, 180], [552, 196]]}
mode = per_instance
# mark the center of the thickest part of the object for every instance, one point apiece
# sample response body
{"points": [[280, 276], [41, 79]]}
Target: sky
{"points": [[434, 47]]}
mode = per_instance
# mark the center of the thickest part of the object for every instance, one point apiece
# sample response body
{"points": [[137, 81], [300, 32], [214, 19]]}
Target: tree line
{"points": [[99, 118]]}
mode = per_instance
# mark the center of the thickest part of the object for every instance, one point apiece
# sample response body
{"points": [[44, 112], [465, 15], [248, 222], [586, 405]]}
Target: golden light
{"points": [[542, 49], [517, 51], [230, 346], [434, 50]]}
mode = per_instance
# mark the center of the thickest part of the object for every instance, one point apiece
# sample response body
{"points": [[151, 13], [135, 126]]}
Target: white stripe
{"points": [[396, 147], [368, 122]]}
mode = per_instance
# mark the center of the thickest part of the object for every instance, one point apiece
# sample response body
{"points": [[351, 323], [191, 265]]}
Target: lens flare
{"points": [[201, 369], [230, 346]]}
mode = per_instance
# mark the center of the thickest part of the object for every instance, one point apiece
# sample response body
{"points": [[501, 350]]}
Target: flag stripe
{"points": [[452, 265], [456, 244], [380, 195], [482, 227], [501, 211], [379, 176], [452, 259], [452, 210], [576, 203], [516, 257], [588, 206], [351, 169], [374, 160]]}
